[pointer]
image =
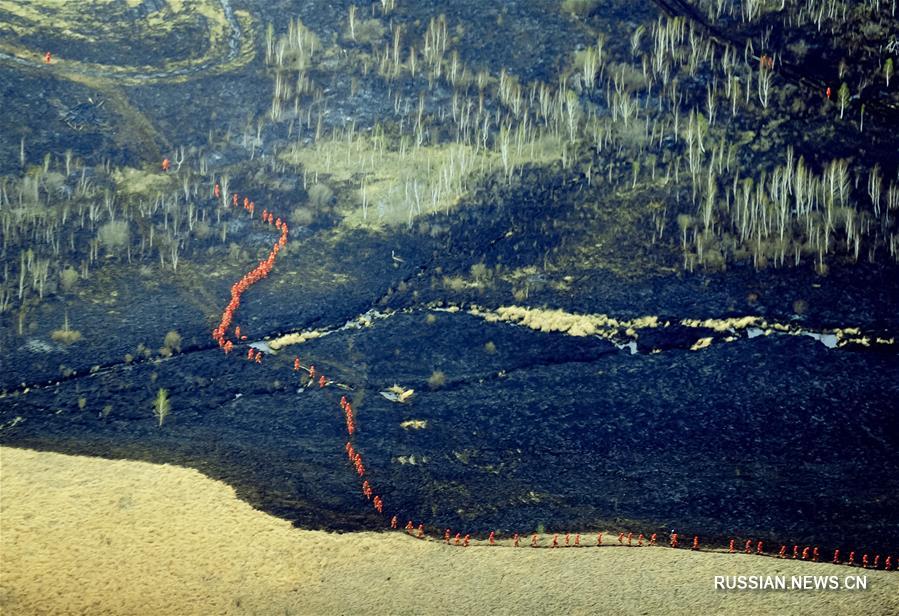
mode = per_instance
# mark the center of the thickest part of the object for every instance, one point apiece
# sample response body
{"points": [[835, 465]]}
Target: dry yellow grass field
{"points": [[89, 536]]}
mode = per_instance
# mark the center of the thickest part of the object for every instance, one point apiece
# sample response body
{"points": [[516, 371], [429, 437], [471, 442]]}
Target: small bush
{"points": [[320, 195], [481, 273], [437, 379], [301, 216], [172, 341], [454, 283], [202, 230], [66, 335], [68, 278], [114, 235], [369, 31]]}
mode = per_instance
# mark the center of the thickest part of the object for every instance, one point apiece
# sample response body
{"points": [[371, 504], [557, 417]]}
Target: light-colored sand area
{"points": [[88, 536]]}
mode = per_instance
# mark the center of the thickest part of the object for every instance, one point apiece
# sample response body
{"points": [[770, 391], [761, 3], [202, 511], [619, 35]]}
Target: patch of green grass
{"points": [[387, 184]]}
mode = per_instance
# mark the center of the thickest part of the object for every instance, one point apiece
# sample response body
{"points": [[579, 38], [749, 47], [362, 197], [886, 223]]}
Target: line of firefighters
{"points": [[262, 270]]}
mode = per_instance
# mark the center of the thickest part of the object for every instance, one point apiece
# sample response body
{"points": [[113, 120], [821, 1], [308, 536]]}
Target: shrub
{"points": [[202, 230], [369, 31], [320, 195], [454, 283], [113, 235], [65, 334], [437, 379], [172, 341], [301, 216], [67, 278], [480, 272]]}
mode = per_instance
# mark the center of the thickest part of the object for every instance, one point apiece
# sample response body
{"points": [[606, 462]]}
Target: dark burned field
{"points": [[775, 437], [771, 437]]}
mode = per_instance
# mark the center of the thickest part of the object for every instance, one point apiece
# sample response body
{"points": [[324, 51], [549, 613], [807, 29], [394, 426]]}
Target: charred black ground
{"points": [[775, 437]]}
